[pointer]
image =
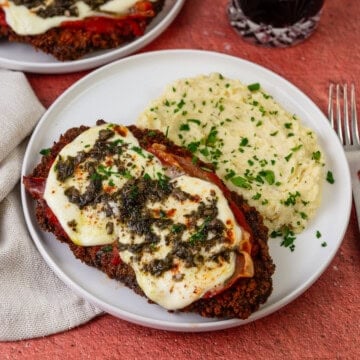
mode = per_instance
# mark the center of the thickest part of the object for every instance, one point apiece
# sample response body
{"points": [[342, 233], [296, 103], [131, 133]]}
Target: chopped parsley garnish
{"points": [[151, 133], [262, 110], [296, 148], [212, 137], [193, 146], [105, 172], [275, 234], [263, 162], [107, 248], [126, 174], [96, 177], [330, 177], [318, 234], [184, 127], [291, 200], [244, 141], [45, 152], [138, 150], [205, 151], [254, 87], [288, 239], [230, 174], [195, 121], [200, 234], [134, 191], [176, 228], [241, 182], [163, 181], [316, 155], [268, 175], [180, 104]]}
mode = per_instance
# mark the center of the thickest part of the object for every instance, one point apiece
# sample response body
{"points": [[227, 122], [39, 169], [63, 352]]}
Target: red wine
{"points": [[279, 13]]}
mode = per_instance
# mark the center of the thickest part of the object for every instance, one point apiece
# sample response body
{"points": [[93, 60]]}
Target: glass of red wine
{"points": [[275, 23]]}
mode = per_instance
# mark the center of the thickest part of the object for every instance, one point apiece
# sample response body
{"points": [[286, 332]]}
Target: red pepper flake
{"points": [[171, 213]]}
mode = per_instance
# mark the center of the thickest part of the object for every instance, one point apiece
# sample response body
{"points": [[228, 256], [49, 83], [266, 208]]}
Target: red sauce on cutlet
{"points": [[102, 25], [130, 23], [2, 19]]}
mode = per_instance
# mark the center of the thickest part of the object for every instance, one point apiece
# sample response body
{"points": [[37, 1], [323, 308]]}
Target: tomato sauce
{"points": [[2, 19]]}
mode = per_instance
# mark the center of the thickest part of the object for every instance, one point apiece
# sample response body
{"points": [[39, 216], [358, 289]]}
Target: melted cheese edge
{"points": [[175, 288], [25, 22]]}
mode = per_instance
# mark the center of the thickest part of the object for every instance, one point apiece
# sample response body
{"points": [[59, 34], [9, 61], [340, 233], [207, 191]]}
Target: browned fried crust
{"points": [[242, 299], [70, 44]]}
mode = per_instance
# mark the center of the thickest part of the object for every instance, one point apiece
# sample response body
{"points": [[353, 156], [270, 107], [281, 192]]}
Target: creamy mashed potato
{"points": [[259, 149]]}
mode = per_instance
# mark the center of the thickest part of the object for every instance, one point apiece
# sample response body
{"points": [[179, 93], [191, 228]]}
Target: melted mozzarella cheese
{"points": [[193, 282], [118, 6], [181, 284], [91, 221], [25, 22]]}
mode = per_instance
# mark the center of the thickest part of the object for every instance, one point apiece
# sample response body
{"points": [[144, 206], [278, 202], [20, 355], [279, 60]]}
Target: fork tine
{"points": [[354, 122], [346, 116], [330, 106], [338, 115]]}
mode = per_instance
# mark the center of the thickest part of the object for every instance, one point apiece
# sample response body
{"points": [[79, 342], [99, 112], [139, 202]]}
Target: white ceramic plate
{"points": [[118, 93], [23, 57]]}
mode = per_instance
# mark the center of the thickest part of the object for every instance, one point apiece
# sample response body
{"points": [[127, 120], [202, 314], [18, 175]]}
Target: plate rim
{"points": [[160, 324], [63, 67]]}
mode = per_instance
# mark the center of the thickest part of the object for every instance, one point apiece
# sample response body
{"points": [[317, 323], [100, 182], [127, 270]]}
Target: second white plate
{"points": [[22, 57], [118, 93]]}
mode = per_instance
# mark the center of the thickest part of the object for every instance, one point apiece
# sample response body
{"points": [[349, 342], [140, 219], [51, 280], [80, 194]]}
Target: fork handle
{"points": [[353, 158]]}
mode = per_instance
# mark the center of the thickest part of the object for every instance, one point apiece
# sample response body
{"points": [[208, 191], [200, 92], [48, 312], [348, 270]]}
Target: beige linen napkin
{"points": [[33, 301]]}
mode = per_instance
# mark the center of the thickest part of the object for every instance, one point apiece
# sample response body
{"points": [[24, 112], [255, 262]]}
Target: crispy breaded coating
{"points": [[239, 301]]}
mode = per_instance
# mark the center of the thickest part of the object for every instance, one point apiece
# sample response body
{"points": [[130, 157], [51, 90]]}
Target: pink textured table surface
{"points": [[325, 321]]}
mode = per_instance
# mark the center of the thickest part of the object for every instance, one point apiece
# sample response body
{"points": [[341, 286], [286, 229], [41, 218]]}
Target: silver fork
{"points": [[347, 129]]}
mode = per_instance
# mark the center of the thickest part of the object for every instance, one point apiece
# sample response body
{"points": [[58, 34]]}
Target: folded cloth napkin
{"points": [[33, 301]]}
